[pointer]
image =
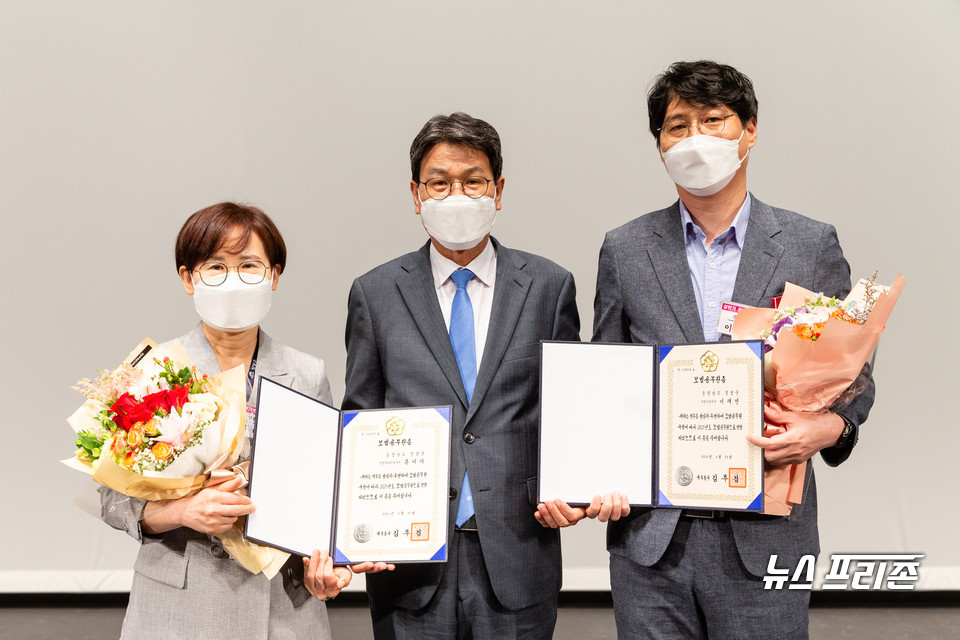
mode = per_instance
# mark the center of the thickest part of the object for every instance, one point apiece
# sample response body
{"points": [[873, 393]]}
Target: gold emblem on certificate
{"points": [[395, 426], [709, 361]]}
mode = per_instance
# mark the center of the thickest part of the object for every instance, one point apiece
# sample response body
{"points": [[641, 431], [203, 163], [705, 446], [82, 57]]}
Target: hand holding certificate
{"points": [[365, 486], [664, 425]]}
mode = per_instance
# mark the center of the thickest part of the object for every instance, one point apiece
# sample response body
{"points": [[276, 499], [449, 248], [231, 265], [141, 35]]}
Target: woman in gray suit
{"points": [[229, 258]]}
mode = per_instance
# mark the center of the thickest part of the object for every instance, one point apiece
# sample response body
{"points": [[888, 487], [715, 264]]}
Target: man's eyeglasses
{"points": [[710, 124], [473, 187], [214, 274]]}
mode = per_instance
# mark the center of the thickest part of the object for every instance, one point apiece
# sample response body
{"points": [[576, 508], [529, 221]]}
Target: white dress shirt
{"points": [[480, 289]]}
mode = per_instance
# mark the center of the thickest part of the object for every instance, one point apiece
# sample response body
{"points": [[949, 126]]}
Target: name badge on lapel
{"points": [[728, 313], [251, 422]]}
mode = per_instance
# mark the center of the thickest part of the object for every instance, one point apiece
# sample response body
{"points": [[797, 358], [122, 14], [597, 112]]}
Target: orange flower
{"points": [[841, 314], [135, 436], [161, 450], [119, 444], [129, 459], [152, 428], [807, 332]]}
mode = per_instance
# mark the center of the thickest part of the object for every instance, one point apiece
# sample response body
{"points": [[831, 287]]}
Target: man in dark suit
{"points": [[459, 322], [662, 279]]}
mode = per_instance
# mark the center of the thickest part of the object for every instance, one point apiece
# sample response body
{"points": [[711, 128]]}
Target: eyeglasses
{"points": [[710, 124], [473, 187], [214, 274]]}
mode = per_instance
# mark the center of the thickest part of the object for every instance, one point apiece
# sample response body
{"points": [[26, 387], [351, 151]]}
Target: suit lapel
{"points": [[759, 258], [420, 295], [669, 259], [270, 361], [509, 294]]}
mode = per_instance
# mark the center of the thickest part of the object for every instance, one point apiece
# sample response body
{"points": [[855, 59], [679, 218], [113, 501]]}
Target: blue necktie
{"points": [[463, 340]]}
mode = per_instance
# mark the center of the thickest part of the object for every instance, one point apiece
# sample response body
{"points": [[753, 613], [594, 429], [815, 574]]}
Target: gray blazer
{"points": [[644, 294], [399, 355], [184, 583]]}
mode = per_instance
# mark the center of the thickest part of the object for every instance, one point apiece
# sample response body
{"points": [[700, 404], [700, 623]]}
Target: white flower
{"points": [[174, 427]]}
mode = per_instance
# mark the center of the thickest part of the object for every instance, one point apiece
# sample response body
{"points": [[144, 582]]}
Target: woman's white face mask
{"points": [[233, 305], [703, 164]]}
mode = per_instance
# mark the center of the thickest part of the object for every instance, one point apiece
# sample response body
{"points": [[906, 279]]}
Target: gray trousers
{"points": [[700, 589], [464, 606]]}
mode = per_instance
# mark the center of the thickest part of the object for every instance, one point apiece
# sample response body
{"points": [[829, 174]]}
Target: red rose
{"points": [[168, 400], [128, 411], [178, 397], [156, 401]]}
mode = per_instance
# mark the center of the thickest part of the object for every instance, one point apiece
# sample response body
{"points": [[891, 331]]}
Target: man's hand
{"points": [[372, 567], [792, 437], [555, 514], [612, 507], [321, 578]]}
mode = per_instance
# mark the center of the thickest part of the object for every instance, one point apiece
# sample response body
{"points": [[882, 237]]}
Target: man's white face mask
{"points": [[703, 164], [458, 222]]}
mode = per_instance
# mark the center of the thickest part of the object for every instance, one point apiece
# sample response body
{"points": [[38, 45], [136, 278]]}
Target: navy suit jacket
{"points": [[399, 355]]}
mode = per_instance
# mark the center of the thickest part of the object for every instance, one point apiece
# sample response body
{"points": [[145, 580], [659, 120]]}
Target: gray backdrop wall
{"points": [[118, 119]]}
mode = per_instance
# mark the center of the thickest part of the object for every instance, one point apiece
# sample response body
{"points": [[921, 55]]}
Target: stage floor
{"points": [[351, 621]]}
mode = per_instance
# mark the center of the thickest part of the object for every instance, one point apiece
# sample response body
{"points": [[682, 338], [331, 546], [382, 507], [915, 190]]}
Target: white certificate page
{"points": [[293, 471], [394, 479], [596, 421], [711, 396]]}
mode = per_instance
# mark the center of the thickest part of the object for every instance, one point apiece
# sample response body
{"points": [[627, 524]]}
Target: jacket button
{"points": [[453, 493], [216, 551], [469, 438]]}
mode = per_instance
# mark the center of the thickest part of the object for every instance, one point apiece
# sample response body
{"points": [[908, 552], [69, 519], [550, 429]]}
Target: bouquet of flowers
{"points": [[159, 427], [815, 350], [154, 428]]}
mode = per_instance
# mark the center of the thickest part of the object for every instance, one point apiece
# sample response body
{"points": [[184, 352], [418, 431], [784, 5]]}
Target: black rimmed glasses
{"points": [[473, 187], [214, 274], [709, 124]]}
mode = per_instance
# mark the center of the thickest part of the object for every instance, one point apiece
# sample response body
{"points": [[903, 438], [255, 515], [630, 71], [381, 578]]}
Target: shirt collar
{"points": [[484, 266], [692, 232]]}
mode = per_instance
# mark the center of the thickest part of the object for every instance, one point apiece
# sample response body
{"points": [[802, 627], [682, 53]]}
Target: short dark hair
{"points": [[702, 83], [206, 231], [456, 128]]}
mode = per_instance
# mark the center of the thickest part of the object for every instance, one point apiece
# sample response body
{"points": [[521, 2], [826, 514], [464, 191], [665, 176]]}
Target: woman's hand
{"points": [[321, 578], [212, 510]]}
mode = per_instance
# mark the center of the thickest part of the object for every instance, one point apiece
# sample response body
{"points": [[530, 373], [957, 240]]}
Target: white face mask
{"points": [[458, 222], [234, 305], [703, 164]]}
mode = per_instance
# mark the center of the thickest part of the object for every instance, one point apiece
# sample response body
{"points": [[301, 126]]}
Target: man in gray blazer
{"points": [[459, 322], [662, 279]]}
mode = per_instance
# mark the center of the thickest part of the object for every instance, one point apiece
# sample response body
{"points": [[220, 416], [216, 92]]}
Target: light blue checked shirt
{"points": [[713, 269]]}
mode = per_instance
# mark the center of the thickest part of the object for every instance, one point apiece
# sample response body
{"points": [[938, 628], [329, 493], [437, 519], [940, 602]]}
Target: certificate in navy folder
{"points": [[364, 485], [664, 425]]}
